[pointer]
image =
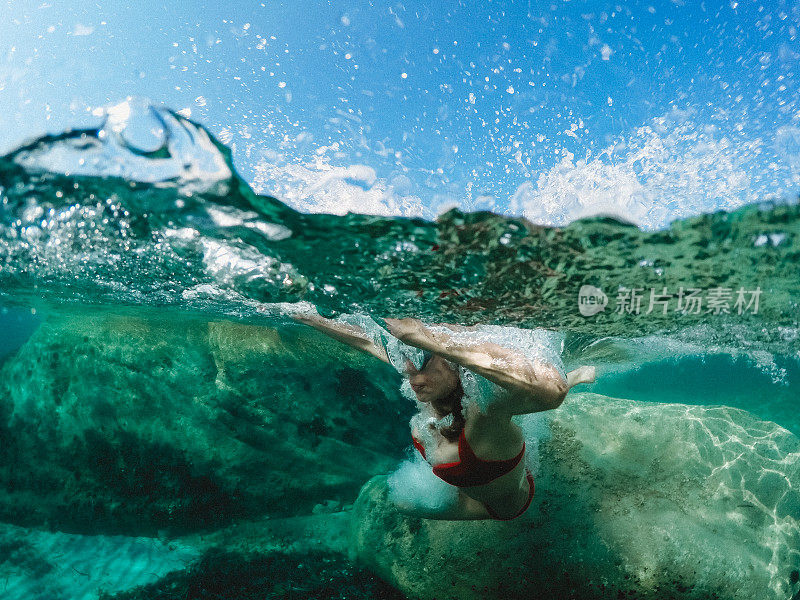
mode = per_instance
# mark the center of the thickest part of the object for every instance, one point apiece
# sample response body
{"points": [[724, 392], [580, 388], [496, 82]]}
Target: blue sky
{"points": [[553, 110]]}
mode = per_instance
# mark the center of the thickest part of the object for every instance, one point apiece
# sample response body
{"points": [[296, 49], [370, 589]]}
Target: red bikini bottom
{"points": [[523, 509]]}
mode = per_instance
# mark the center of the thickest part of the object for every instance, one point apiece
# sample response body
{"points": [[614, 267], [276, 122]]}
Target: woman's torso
{"points": [[489, 438]]}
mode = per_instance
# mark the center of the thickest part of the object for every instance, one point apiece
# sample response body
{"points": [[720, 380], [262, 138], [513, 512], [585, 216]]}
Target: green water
{"points": [[165, 404]]}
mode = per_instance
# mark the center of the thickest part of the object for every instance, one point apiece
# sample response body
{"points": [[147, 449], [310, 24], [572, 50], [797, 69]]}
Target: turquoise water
{"points": [[161, 399], [17, 328]]}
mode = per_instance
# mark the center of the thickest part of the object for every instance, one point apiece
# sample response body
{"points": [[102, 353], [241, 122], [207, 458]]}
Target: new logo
{"points": [[591, 300]]}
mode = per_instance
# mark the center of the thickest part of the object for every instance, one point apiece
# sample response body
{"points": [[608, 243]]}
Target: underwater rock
{"points": [[632, 499], [44, 565], [222, 574], [124, 424]]}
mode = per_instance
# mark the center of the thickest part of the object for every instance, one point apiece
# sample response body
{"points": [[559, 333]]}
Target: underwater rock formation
{"points": [[141, 426], [632, 500], [165, 426]]}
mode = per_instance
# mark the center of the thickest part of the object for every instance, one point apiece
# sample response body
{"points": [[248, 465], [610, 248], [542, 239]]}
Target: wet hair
{"points": [[453, 432]]}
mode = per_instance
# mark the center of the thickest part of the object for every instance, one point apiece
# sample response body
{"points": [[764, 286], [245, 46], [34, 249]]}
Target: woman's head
{"points": [[436, 382]]}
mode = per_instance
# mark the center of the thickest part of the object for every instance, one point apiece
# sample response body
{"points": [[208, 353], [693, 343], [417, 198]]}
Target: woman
{"points": [[471, 445]]}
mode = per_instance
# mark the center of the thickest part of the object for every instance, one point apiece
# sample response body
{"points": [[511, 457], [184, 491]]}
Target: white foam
{"points": [[413, 486], [670, 168], [320, 187]]}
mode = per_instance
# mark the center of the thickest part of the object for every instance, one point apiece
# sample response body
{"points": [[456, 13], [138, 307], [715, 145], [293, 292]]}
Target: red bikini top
{"points": [[471, 470]]}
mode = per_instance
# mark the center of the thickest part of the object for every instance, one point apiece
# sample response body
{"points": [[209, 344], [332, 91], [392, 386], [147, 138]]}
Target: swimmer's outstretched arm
{"points": [[535, 386], [352, 335]]}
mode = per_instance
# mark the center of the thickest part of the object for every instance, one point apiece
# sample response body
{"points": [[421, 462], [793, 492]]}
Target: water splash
{"points": [[148, 210]]}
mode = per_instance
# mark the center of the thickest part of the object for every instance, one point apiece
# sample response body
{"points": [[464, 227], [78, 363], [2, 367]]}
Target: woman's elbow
{"points": [[558, 393], [550, 394]]}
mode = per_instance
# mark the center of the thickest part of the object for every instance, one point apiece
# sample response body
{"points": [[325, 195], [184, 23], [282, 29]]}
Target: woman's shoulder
{"points": [[474, 418], [493, 438]]}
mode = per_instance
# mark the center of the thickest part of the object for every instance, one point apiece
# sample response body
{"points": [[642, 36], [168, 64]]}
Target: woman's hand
{"points": [[408, 331], [415, 333]]}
